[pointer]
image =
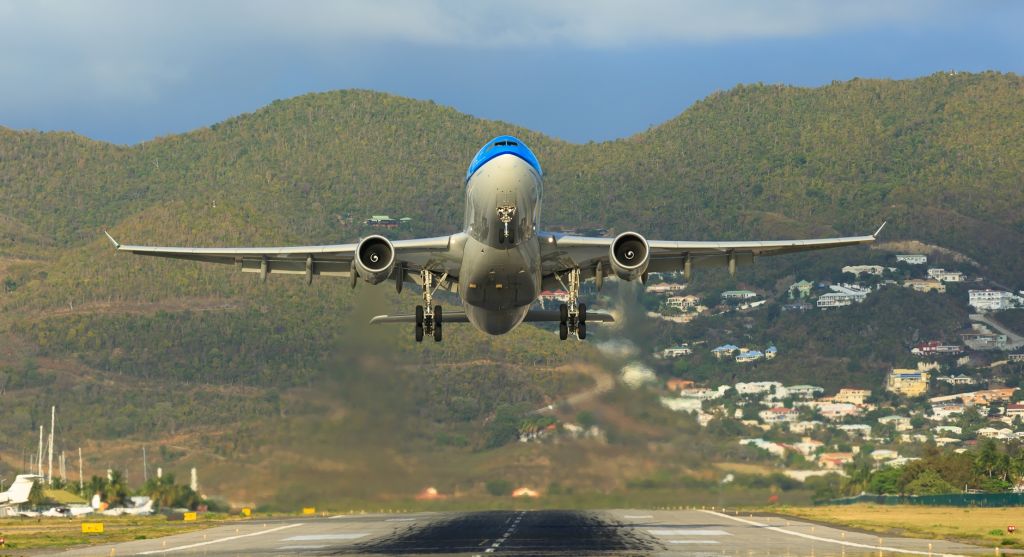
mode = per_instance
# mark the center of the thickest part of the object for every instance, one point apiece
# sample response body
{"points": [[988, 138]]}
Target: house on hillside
{"points": [[912, 259], [749, 356], [834, 461], [923, 285], [943, 275], [852, 395], [778, 415], [991, 300], [682, 303], [677, 351], [675, 384], [725, 351], [899, 423], [801, 289], [804, 391], [738, 295]]}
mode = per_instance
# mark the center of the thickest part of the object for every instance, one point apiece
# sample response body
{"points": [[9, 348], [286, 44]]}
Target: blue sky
{"points": [[128, 71]]}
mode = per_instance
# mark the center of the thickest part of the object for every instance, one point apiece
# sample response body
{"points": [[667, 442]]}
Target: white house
{"points": [[943, 275], [865, 269], [778, 415], [956, 379], [991, 300], [738, 295], [804, 426], [682, 302], [725, 350], [757, 387], [900, 423], [913, 259], [863, 430], [842, 295], [804, 391], [749, 356], [681, 404], [677, 351]]}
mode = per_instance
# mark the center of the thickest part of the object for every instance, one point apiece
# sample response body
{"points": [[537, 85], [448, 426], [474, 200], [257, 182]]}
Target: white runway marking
{"points": [[634, 516], [227, 539], [325, 537], [293, 547], [400, 520], [686, 532], [692, 541], [840, 542]]}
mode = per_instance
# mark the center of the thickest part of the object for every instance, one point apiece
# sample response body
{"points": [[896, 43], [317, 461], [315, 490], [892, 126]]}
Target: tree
{"points": [[929, 482]]}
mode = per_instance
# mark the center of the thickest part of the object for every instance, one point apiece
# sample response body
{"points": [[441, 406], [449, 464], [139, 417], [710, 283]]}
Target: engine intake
{"points": [[629, 256], [375, 259]]}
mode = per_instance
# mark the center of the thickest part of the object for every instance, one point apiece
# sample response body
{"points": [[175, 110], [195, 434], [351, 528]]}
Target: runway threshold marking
{"points": [[227, 539], [828, 540]]}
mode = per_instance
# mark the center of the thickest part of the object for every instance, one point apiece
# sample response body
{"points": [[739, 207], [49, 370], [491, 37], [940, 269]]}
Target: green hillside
{"points": [[138, 350]]}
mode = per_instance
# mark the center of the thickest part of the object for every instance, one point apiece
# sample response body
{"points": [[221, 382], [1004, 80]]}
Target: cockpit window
{"points": [[499, 146]]}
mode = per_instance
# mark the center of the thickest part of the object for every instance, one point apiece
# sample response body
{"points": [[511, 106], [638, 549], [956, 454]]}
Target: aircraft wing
{"points": [[442, 254], [561, 253]]}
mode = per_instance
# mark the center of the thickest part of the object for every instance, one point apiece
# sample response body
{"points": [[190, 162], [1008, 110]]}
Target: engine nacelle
{"points": [[629, 255], [375, 259]]}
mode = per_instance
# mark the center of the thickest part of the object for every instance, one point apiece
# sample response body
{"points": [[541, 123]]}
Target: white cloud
{"points": [[132, 50]]}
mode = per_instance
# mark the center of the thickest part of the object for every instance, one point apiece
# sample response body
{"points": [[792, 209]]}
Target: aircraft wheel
{"points": [[437, 316], [512, 235], [437, 332], [582, 317], [419, 333], [581, 330], [419, 316], [563, 330], [563, 313]]}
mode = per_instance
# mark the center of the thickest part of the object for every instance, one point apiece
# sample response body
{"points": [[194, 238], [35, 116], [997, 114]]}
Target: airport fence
{"points": [[947, 500]]}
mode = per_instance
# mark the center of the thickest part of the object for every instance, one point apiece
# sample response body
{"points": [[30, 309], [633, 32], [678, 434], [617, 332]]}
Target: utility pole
{"points": [[81, 479], [145, 467], [63, 470], [49, 468], [39, 460]]}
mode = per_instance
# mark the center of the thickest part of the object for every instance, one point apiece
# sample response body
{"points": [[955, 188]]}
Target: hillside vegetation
{"points": [[136, 349]]}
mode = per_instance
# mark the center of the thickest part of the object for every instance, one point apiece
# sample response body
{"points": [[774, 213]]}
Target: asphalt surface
{"points": [[542, 533]]}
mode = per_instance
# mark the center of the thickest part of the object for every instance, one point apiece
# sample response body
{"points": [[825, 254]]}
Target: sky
{"points": [[127, 71]]}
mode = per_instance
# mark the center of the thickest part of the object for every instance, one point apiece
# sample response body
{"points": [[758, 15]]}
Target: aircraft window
{"points": [[500, 143]]}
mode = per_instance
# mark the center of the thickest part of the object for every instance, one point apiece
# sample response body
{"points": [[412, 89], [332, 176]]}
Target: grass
{"points": [[975, 525], [36, 533]]}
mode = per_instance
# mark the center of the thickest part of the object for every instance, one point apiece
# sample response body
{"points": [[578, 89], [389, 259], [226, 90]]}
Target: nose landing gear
{"points": [[572, 315], [505, 215], [429, 316]]}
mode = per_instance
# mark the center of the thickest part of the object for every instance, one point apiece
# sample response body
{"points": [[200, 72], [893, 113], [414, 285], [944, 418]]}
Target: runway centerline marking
{"points": [[227, 539], [840, 542]]}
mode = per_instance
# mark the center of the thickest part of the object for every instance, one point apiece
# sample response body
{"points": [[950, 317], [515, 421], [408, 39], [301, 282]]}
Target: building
{"points": [[842, 295], [957, 380], [805, 426], [749, 356], [738, 295], [943, 275], [681, 404], [982, 338], [864, 269], [770, 353], [725, 351], [676, 384], [834, 461], [683, 303], [884, 454], [801, 289], [1016, 358], [921, 285], [665, 287], [907, 382], [934, 347], [677, 351], [778, 415], [851, 396], [912, 259], [837, 410], [863, 430], [899, 423], [976, 398], [807, 446], [991, 300], [804, 391], [757, 387], [1014, 410]]}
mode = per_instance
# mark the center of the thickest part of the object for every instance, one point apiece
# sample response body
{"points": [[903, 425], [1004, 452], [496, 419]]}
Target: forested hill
{"points": [[941, 157]]}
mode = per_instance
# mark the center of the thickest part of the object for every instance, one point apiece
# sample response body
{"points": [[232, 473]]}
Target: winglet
{"points": [[112, 240], [879, 231]]}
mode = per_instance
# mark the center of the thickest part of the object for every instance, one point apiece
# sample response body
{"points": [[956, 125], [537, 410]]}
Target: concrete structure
{"points": [[943, 275], [913, 259], [907, 382], [991, 300], [921, 285], [934, 347]]}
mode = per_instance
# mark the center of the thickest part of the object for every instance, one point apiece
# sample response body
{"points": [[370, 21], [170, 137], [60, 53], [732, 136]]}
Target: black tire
{"points": [[581, 330], [419, 316], [563, 330], [419, 333], [563, 313], [437, 316], [582, 318], [437, 332], [512, 235]]}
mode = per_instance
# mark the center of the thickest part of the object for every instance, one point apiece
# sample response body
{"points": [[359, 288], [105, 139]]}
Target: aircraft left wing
{"points": [[592, 256], [440, 254]]}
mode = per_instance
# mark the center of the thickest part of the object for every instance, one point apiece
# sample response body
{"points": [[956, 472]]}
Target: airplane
{"points": [[501, 260], [70, 511], [144, 509], [17, 494]]}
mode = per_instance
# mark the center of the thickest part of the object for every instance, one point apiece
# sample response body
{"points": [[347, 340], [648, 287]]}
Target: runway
{"points": [[520, 533]]}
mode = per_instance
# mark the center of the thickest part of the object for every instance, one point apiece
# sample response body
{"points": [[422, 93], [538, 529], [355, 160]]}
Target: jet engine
{"points": [[375, 259], [629, 255]]}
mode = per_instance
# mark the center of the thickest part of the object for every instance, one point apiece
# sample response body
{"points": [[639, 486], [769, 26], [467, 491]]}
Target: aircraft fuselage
{"points": [[501, 269]]}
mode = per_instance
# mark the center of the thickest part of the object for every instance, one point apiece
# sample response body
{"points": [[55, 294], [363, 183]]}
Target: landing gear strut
{"points": [[505, 215], [429, 316], [572, 315]]}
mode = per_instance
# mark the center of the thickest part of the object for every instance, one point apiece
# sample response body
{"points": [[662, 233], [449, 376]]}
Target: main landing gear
{"points": [[572, 316], [429, 316]]}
